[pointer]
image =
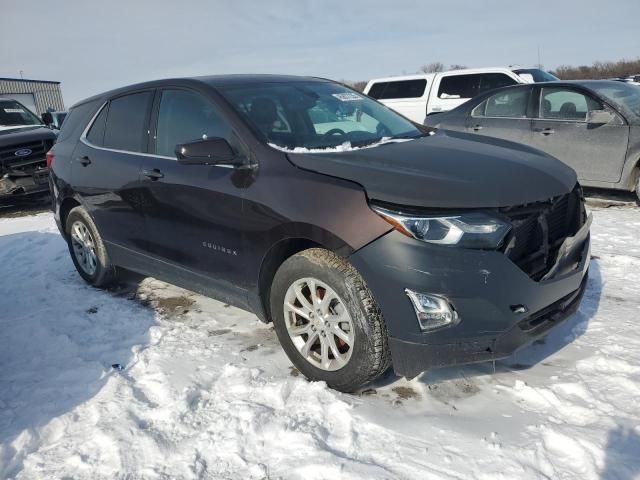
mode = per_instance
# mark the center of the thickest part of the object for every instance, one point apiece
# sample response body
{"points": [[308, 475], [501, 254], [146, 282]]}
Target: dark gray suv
{"points": [[366, 240], [591, 125]]}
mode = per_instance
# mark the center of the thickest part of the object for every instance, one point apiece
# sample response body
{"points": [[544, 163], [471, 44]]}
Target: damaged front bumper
{"points": [[500, 308], [17, 183]]}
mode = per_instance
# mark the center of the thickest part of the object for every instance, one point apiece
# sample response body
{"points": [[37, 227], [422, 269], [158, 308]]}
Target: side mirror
{"points": [[599, 117], [47, 119], [211, 151]]}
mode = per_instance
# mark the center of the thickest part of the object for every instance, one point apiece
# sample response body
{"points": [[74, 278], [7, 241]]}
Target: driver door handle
{"points": [[153, 174], [477, 128], [545, 131]]}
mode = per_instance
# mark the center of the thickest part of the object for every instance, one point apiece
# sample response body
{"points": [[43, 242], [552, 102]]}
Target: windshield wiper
{"points": [[364, 143]]}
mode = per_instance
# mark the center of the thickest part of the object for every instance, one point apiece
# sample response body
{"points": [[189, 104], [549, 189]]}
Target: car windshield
{"points": [[537, 74], [13, 113], [315, 115], [623, 94]]}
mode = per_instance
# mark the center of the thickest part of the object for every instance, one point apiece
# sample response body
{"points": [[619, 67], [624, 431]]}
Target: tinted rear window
{"points": [[76, 121], [399, 89], [468, 86], [126, 122]]}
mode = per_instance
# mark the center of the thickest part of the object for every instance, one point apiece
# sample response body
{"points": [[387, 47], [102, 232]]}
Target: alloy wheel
{"points": [[319, 324], [84, 247]]}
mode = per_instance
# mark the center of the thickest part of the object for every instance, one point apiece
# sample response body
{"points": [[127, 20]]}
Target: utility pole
{"points": [[539, 62]]}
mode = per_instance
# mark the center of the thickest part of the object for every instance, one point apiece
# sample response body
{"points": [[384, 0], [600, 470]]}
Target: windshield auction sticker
{"points": [[13, 110], [347, 97]]}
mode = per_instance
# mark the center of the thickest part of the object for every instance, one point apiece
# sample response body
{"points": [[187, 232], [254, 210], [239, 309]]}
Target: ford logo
{"points": [[23, 152]]}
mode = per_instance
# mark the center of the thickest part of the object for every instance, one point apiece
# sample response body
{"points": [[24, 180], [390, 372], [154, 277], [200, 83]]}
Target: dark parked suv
{"points": [[24, 141], [366, 240]]}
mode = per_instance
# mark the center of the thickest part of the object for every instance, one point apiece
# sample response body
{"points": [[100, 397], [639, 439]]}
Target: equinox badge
{"points": [[219, 248]]}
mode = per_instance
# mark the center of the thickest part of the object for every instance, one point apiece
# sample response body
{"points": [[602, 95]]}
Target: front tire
{"points": [[87, 249], [327, 320]]}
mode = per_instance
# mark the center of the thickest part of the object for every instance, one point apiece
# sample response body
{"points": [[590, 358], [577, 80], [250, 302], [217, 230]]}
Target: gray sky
{"points": [[94, 46]]}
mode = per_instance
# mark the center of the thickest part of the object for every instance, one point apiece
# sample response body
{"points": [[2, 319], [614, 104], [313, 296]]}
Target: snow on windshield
{"points": [[344, 147], [11, 127]]}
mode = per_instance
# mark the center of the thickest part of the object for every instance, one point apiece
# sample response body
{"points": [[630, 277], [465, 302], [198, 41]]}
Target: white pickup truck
{"points": [[416, 96]]}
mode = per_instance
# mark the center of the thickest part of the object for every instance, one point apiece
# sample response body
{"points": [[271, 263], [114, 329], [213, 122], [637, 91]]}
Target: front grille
{"points": [[27, 163], [539, 229]]}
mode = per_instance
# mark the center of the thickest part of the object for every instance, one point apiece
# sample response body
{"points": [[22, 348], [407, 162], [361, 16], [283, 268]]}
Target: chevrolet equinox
{"points": [[368, 241]]}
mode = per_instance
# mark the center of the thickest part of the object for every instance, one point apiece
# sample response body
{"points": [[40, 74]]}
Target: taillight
{"points": [[50, 156]]}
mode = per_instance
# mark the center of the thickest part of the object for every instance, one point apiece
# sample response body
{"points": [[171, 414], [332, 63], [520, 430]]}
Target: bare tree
{"points": [[457, 66], [359, 85], [433, 67], [599, 70]]}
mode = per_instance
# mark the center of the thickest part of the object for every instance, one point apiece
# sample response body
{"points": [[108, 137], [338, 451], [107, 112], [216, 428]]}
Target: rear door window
{"points": [[489, 81], [126, 127], [468, 86], [510, 104], [398, 89]]}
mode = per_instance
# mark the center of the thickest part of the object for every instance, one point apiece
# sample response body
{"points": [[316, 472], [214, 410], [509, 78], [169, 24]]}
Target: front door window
{"points": [[566, 104], [185, 116]]}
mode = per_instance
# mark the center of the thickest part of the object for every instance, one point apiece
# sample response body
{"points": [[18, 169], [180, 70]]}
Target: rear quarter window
{"points": [[398, 89], [96, 132], [76, 121]]}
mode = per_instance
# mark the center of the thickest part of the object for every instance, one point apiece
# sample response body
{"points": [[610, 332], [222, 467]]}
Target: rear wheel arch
{"points": [[67, 205]]}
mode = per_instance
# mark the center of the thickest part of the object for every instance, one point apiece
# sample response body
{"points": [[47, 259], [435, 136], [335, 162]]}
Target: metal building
{"points": [[37, 95]]}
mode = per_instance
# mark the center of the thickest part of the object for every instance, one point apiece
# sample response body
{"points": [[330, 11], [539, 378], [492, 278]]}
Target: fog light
{"points": [[433, 311]]}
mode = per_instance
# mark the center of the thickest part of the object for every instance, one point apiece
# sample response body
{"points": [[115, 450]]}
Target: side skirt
{"points": [[151, 266]]}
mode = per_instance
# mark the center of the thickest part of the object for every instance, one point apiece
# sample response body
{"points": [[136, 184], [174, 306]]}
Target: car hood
{"points": [[448, 170], [24, 134]]}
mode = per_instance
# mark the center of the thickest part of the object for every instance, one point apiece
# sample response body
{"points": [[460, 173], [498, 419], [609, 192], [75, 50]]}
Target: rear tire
{"points": [[87, 249], [638, 189], [341, 341]]}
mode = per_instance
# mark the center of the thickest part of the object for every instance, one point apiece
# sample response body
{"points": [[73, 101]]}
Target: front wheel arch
{"points": [[370, 354], [271, 262]]}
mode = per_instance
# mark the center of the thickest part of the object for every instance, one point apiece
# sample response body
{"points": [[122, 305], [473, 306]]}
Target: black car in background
{"points": [[54, 119], [367, 241], [591, 125], [24, 142]]}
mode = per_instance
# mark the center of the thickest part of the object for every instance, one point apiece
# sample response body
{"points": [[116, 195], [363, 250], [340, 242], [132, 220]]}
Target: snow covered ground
{"points": [[206, 392]]}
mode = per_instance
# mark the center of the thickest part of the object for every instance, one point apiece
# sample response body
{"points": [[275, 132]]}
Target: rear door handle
{"points": [[84, 161], [477, 128], [546, 131], [154, 174]]}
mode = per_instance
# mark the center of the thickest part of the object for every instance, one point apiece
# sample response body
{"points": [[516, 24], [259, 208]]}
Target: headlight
{"points": [[470, 230]]}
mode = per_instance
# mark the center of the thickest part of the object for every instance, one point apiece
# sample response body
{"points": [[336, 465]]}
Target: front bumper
{"points": [[18, 184], [483, 286]]}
